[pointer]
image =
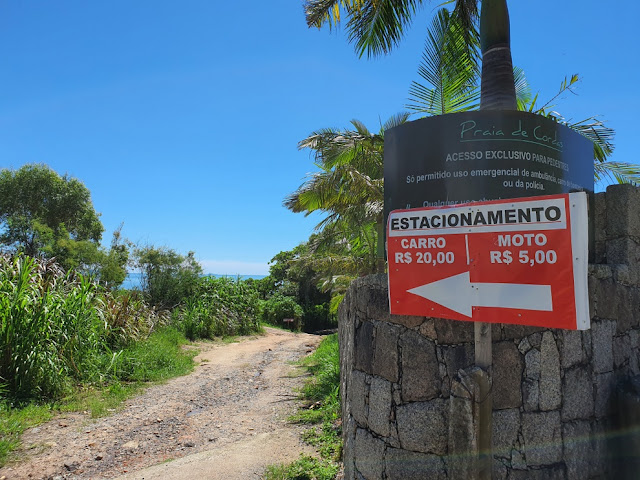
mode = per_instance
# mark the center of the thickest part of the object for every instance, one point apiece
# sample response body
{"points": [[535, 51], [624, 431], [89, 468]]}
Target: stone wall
{"points": [[406, 391]]}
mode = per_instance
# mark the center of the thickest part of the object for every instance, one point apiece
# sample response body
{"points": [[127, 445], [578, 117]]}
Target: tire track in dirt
{"points": [[226, 420]]}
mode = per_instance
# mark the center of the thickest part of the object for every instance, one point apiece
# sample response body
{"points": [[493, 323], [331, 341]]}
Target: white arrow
{"points": [[457, 293]]}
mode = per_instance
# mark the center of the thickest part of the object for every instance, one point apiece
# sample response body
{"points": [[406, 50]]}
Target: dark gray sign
{"points": [[484, 155]]}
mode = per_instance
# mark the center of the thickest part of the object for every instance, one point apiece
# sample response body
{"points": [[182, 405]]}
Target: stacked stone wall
{"points": [[406, 394]]}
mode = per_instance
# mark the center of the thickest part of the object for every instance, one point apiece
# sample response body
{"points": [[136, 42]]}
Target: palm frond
{"points": [[449, 68], [595, 130], [565, 86], [619, 172], [377, 26], [523, 90], [395, 120], [320, 12], [335, 302], [348, 188], [592, 128], [361, 128], [467, 13]]}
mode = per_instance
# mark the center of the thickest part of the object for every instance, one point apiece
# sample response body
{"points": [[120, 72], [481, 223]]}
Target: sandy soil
{"points": [[226, 420]]}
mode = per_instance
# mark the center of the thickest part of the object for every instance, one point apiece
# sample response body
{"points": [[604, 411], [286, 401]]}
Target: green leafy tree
{"points": [[292, 274], [280, 307], [168, 278], [112, 269], [44, 214]]}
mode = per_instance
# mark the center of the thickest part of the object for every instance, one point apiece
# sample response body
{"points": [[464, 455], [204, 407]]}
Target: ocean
{"points": [[134, 279]]}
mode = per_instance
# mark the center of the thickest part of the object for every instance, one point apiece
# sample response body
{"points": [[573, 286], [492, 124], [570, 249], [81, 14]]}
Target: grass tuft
{"points": [[14, 421], [305, 468]]}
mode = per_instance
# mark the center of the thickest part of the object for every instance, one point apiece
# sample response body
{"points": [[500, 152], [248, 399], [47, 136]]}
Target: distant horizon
{"points": [[133, 279], [209, 274]]}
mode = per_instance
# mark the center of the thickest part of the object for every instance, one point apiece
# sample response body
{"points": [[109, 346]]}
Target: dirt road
{"points": [[226, 420]]}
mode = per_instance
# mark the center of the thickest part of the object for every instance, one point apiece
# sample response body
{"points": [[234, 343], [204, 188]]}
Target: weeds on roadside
{"points": [[14, 421], [65, 339], [322, 391], [99, 401], [50, 330], [129, 318], [158, 358], [305, 468]]}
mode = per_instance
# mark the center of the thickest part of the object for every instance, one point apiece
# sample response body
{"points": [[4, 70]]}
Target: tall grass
{"points": [[324, 366], [129, 318], [158, 358], [49, 328], [57, 328], [219, 307], [60, 331]]}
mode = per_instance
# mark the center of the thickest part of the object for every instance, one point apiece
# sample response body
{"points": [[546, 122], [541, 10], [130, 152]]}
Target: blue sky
{"points": [[183, 118]]}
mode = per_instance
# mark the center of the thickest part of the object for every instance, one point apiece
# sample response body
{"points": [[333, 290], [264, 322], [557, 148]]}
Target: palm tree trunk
{"points": [[497, 86]]}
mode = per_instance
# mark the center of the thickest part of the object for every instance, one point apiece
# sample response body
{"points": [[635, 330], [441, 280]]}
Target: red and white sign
{"points": [[520, 261]]}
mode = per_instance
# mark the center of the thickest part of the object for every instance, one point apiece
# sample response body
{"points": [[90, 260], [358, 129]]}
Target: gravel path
{"points": [[226, 420]]}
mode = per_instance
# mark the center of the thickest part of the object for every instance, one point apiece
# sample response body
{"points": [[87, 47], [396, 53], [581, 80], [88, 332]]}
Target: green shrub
{"points": [[318, 317], [129, 318], [279, 307]]}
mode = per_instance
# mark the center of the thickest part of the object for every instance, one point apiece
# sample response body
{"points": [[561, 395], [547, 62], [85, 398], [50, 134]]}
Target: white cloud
{"points": [[231, 267]]}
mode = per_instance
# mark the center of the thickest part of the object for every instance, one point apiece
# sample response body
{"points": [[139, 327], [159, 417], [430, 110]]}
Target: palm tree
{"points": [[450, 83], [349, 189], [377, 26]]}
